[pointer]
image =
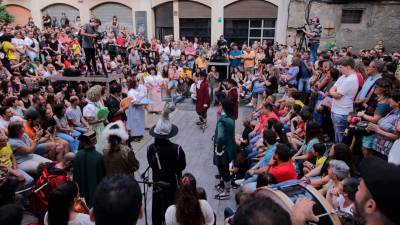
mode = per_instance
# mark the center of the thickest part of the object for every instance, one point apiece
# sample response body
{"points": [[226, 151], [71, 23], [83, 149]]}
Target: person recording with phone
{"points": [[89, 34], [314, 36]]}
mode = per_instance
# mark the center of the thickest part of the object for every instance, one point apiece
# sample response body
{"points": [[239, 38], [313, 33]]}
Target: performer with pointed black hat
{"points": [[167, 161]]}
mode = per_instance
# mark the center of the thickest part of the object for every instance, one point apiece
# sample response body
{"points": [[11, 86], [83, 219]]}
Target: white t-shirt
{"points": [[18, 43], [91, 109], [176, 53], [139, 93], [208, 213], [28, 42], [348, 209], [347, 86]]}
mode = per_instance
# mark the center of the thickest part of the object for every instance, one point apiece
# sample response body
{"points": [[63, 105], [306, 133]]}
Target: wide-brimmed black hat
{"points": [[161, 135], [164, 129], [88, 137]]}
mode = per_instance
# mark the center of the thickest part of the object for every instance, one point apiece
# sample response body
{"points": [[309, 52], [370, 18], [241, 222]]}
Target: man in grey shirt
{"points": [[89, 33]]}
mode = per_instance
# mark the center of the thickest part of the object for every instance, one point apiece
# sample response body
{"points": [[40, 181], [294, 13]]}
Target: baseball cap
{"points": [[383, 182]]}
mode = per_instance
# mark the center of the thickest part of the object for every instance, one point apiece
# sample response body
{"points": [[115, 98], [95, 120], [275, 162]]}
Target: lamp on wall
{"points": [[329, 28]]}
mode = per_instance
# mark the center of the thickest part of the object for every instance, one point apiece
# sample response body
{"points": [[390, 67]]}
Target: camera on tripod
{"points": [[99, 37], [299, 30]]}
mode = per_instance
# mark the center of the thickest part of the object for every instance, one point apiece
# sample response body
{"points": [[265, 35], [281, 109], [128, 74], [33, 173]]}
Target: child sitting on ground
{"points": [[318, 153]]}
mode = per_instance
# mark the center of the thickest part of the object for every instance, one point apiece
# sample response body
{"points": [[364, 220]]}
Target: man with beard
{"points": [[378, 197], [376, 200]]}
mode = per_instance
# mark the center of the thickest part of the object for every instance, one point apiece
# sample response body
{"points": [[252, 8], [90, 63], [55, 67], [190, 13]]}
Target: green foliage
{"points": [[4, 15]]}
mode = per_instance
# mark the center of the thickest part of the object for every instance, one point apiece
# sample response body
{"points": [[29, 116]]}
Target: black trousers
{"points": [[224, 172], [90, 55]]}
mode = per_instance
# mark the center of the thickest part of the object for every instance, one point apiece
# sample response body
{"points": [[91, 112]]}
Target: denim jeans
{"points": [[28, 179], [71, 139], [176, 98], [81, 129], [313, 52], [304, 84], [257, 91], [339, 125]]}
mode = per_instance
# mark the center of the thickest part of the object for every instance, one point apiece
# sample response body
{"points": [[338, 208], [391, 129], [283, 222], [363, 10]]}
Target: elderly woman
{"points": [[90, 112], [338, 170], [385, 130]]}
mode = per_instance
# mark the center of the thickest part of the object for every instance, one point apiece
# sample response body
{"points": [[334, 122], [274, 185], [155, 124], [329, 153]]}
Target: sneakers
{"points": [[234, 186], [249, 105], [225, 195], [239, 181], [199, 123], [220, 187]]}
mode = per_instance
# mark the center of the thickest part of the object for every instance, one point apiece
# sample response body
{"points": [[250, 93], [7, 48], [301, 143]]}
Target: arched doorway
{"points": [[249, 21], [56, 10], [105, 12], [194, 20], [20, 14], [164, 20]]}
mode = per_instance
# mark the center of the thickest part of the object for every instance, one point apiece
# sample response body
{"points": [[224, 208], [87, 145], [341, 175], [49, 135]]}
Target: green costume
{"points": [[88, 172], [224, 139]]}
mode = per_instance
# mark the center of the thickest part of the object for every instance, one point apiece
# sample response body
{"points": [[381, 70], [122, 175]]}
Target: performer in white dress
{"points": [[90, 111], [136, 113]]}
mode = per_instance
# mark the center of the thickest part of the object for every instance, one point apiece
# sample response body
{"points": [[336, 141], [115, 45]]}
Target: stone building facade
{"points": [[359, 23]]}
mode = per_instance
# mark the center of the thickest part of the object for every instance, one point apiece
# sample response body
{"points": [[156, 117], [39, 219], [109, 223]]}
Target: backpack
{"points": [[50, 178]]}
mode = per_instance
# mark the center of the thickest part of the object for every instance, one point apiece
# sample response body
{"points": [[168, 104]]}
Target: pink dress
{"points": [[153, 84]]}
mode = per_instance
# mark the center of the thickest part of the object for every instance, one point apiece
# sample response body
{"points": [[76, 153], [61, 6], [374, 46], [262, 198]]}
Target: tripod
{"points": [[100, 57], [303, 41]]}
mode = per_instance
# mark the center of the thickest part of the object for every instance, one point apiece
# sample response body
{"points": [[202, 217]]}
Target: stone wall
{"points": [[380, 21]]}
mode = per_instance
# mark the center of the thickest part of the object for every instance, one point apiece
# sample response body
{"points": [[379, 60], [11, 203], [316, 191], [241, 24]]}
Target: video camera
{"points": [[299, 30], [99, 36]]}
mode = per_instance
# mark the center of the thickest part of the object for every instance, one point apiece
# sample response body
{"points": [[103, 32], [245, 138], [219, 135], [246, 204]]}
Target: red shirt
{"points": [[360, 80], [283, 172], [264, 120]]}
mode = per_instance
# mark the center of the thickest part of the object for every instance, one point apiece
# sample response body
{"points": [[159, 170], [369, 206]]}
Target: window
{"points": [[236, 31], [191, 28], [352, 15], [248, 31], [261, 29]]}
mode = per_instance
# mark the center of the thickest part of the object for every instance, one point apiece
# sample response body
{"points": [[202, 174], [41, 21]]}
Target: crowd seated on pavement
{"points": [[333, 123]]}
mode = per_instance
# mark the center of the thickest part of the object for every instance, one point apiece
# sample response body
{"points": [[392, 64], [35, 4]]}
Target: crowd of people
{"points": [[331, 121]]}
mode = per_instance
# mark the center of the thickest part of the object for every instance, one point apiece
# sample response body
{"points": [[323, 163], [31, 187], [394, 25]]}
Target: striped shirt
{"points": [[317, 30]]}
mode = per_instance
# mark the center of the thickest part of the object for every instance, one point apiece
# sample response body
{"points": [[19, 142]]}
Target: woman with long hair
{"points": [[118, 157], [63, 205], [189, 208], [90, 112]]}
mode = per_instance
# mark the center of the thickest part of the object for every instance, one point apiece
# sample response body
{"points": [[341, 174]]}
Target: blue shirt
{"points": [[292, 74], [16, 143], [235, 62], [268, 155], [304, 72], [368, 83]]}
